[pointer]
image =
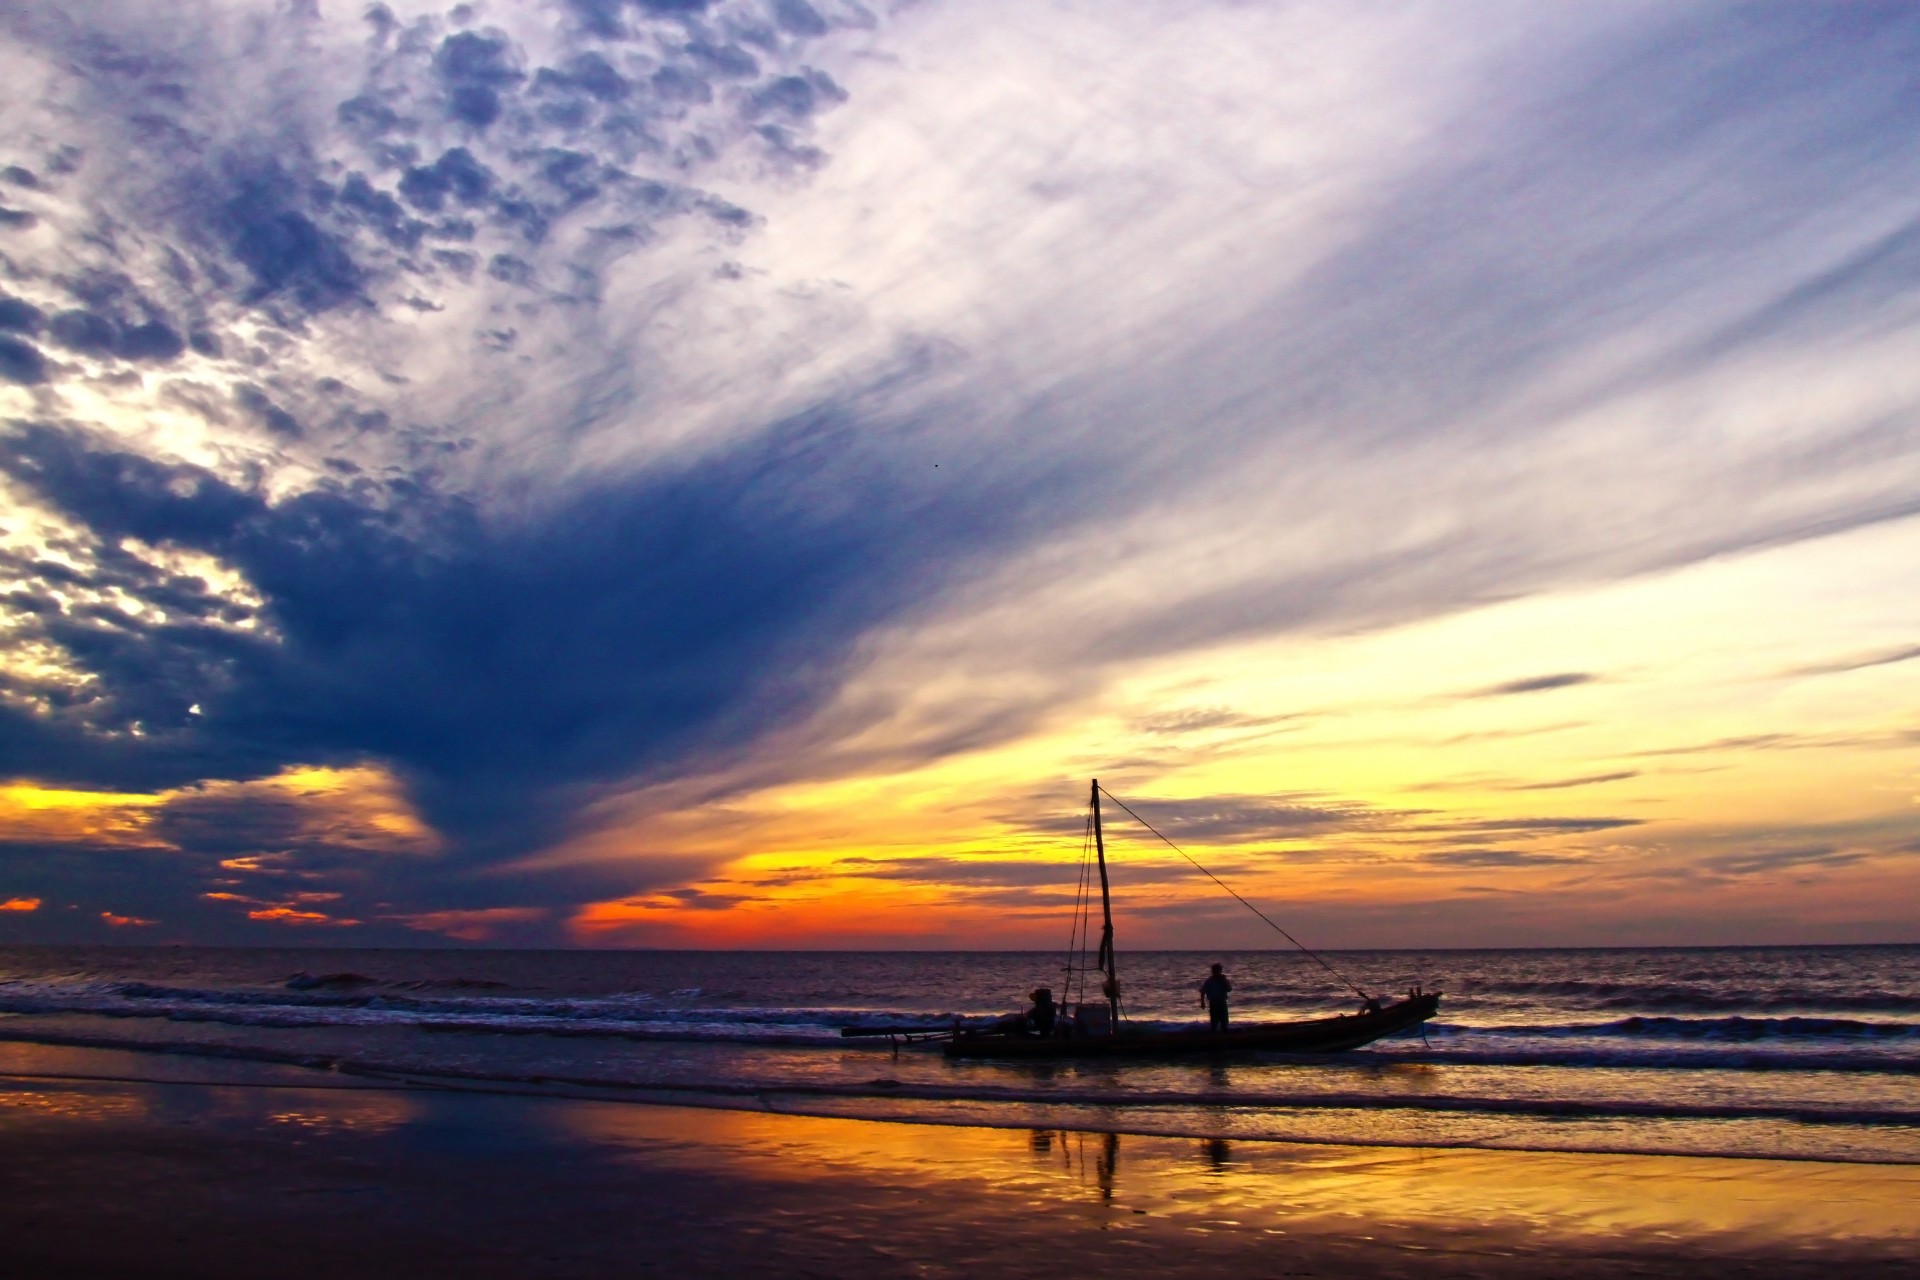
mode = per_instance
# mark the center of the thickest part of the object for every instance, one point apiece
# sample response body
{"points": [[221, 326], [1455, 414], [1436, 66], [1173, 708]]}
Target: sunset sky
{"points": [[727, 472]]}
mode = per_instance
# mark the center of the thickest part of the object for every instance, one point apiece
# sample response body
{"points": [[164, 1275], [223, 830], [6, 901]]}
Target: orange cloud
{"points": [[287, 911], [20, 904], [292, 915], [125, 922]]}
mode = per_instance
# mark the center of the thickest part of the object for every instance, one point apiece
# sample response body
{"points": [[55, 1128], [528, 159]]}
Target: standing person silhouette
{"points": [[1213, 994]]}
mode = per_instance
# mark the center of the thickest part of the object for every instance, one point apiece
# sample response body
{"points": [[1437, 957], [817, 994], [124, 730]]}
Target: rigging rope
{"points": [[1311, 953], [1076, 937]]}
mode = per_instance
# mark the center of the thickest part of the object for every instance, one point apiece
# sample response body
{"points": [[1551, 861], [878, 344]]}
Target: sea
{"points": [[1808, 1053]]}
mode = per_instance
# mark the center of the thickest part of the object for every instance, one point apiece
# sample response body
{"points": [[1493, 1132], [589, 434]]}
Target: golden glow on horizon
{"points": [[20, 904], [1736, 737]]}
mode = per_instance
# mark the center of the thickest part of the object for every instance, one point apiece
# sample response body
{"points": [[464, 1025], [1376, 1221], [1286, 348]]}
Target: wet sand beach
{"points": [[284, 1172]]}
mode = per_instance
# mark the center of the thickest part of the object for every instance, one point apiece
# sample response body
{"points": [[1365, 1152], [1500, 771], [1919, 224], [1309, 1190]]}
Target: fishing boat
{"points": [[1098, 1027]]}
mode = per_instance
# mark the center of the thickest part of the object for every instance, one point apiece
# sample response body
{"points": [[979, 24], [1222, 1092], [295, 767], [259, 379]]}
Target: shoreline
{"points": [[170, 1178], [1066, 1110]]}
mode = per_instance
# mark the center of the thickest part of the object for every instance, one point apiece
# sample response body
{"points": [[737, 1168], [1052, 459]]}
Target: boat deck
{"points": [[1319, 1035]]}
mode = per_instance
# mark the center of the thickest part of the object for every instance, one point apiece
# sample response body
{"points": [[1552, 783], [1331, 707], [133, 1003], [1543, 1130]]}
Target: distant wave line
{"points": [[1563, 1108]]}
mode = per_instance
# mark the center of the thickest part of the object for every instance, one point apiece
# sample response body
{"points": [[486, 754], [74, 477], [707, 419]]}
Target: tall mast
{"points": [[1112, 984]]}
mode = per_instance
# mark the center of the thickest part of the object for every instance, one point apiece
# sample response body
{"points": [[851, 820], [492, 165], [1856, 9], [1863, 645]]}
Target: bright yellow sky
{"points": [[1751, 717]]}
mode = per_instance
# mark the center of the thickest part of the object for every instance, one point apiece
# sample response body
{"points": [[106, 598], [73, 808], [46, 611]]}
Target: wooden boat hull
{"points": [[1319, 1035]]}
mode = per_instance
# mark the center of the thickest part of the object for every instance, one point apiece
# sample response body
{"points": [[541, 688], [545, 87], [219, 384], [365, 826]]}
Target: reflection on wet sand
{"points": [[337, 1111], [1099, 1180], [94, 1084], [1072, 1147], [698, 1191], [18, 1102], [1279, 1187], [299, 1113]]}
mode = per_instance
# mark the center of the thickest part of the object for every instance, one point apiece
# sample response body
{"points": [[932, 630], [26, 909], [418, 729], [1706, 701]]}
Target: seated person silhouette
{"points": [[1041, 1017]]}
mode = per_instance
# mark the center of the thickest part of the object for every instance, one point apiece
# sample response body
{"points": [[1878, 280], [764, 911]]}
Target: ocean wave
{"points": [[1458, 1048], [1580, 993], [1671, 1028], [329, 982], [419, 999], [1673, 1057], [352, 999], [633, 1017], [1076, 1094]]}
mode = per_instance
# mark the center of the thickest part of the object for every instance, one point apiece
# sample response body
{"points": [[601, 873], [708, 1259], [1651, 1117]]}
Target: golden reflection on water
{"points": [[311, 1112], [99, 1084], [327, 1111], [69, 1104], [1277, 1187]]}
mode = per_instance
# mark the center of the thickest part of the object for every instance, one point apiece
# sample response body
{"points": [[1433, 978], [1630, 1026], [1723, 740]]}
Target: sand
{"points": [[284, 1173]]}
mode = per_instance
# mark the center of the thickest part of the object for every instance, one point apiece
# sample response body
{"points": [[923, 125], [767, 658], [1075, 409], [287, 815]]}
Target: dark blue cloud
{"points": [[797, 17], [17, 316], [21, 362], [264, 223], [588, 73], [601, 18], [367, 116], [116, 320], [728, 60], [573, 173], [638, 629], [455, 174], [84, 332], [508, 269], [364, 203], [679, 85], [154, 340], [259, 406], [476, 69], [798, 96]]}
